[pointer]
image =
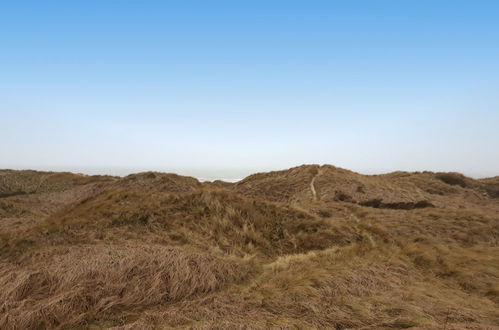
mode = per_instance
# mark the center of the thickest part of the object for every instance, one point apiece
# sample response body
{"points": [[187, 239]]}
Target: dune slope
{"points": [[308, 247]]}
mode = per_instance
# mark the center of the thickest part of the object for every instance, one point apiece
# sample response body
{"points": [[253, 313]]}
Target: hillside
{"points": [[308, 247]]}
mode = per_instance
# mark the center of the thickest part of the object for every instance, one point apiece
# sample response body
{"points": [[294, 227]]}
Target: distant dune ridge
{"points": [[308, 247]]}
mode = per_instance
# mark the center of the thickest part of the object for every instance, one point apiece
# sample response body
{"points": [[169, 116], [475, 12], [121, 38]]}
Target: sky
{"points": [[226, 88]]}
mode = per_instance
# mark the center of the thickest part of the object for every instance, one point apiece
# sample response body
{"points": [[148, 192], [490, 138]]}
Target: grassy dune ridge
{"points": [[309, 247]]}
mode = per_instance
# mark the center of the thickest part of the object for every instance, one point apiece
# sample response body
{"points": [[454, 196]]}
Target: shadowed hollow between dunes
{"points": [[309, 247]]}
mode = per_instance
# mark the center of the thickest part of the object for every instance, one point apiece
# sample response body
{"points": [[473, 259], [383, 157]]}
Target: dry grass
{"points": [[29, 182], [78, 284], [162, 251], [212, 220], [356, 287], [290, 186]]}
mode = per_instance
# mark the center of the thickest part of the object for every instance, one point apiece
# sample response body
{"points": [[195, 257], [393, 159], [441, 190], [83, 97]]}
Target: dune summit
{"points": [[308, 247]]}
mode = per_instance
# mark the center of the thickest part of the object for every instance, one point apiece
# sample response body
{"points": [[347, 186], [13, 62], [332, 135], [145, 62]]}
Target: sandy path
{"points": [[312, 186]]}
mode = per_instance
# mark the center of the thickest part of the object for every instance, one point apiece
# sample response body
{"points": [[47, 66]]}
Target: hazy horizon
{"points": [[237, 87], [208, 174]]}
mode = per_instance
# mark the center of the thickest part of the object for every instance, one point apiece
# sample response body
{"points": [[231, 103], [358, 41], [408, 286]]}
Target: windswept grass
{"points": [[213, 220], [159, 251], [78, 284], [360, 286]]}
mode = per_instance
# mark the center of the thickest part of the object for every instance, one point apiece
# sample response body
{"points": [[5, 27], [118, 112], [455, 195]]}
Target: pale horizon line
{"points": [[228, 174]]}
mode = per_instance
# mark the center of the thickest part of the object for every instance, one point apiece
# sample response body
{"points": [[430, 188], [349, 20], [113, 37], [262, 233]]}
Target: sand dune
{"points": [[308, 247]]}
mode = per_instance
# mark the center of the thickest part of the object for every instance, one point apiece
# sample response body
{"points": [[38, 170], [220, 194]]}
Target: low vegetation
{"points": [[310, 247]]}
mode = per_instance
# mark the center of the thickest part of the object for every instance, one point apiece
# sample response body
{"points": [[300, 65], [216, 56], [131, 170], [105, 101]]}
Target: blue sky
{"points": [[230, 87]]}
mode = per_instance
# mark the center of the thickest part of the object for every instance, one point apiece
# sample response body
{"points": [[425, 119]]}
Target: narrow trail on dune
{"points": [[312, 186]]}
